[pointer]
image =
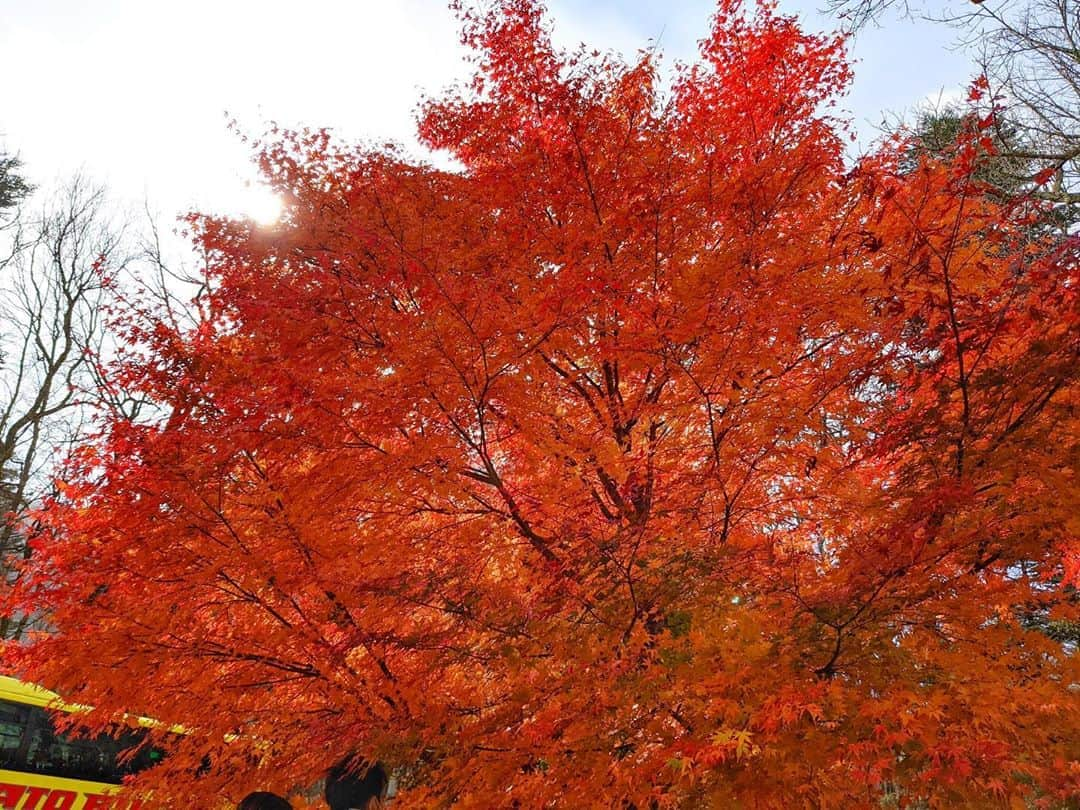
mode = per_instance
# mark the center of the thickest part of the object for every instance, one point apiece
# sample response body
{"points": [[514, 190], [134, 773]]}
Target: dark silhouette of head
{"points": [[350, 785], [261, 800]]}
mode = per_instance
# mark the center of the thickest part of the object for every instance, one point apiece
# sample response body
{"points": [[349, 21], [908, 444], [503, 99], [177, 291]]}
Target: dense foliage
{"points": [[654, 458]]}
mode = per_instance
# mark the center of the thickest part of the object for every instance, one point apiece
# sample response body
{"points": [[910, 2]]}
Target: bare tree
{"points": [[858, 13], [62, 270], [53, 287], [1029, 53], [1031, 56]]}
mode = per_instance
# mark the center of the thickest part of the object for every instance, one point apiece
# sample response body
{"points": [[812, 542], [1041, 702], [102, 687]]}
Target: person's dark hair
{"points": [[261, 800], [349, 785]]}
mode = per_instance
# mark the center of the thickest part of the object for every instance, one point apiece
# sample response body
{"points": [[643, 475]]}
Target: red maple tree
{"points": [[654, 458]]}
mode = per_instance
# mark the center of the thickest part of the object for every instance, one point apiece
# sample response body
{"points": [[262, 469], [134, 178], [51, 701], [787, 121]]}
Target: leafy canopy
{"points": [[654, 458]]}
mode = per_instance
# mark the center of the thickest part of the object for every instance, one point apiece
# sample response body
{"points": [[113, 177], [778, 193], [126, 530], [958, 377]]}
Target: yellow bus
{"points": [[44, 769]]}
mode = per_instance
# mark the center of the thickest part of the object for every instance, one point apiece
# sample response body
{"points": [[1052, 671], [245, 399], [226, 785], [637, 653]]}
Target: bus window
{"points": [[12, 727], [96, 759], [144, 756], [87, 758], [52, 754]]}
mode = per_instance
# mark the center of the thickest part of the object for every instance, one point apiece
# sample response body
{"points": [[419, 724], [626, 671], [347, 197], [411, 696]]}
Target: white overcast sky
{"points": [[137, 93]]}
